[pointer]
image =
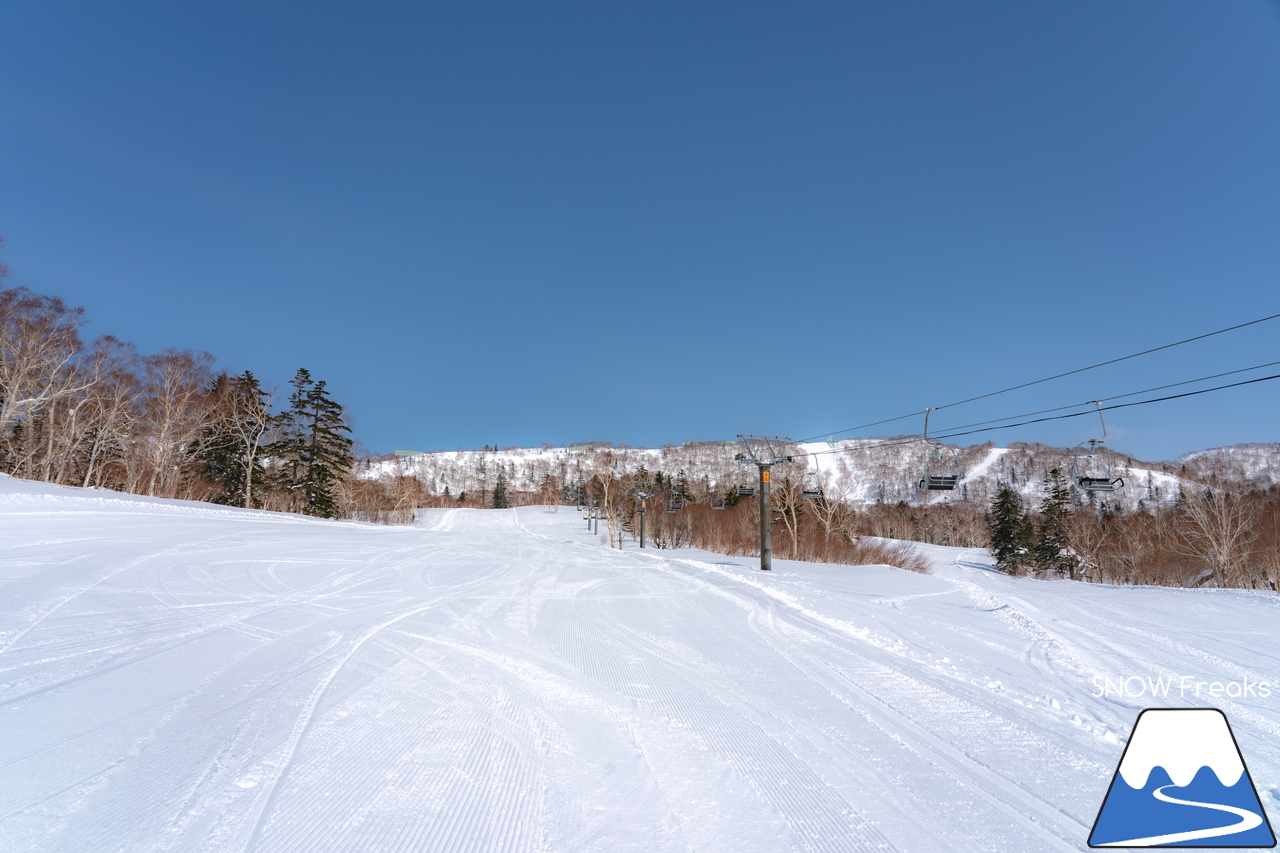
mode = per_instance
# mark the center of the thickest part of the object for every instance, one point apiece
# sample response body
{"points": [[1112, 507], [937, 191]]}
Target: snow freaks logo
{"points": [[1183, 686], [1182, 783]]}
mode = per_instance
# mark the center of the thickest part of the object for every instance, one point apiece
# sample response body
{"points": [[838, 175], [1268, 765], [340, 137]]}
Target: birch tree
{"points": [[174, 383], [39, 345]]}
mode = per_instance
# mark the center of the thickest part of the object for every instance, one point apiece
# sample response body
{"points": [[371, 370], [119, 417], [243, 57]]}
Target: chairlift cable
{"points": [[914, 439], [1056, 376], [1122, 405], [1120, 396]]}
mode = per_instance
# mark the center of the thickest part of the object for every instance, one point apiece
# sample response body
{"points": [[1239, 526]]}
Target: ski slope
{"points": [[182, 677]]}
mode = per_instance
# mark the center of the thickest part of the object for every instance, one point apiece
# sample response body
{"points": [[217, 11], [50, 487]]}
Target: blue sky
{"points": [[521, 223]]}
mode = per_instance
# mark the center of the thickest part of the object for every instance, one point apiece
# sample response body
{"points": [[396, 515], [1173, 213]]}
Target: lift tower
{"points": [[765, 451], [643, 491]]}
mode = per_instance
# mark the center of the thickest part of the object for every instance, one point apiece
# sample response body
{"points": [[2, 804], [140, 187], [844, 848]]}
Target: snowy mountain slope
{"points": [[883, 470], [183, 677], [1249, 463]]}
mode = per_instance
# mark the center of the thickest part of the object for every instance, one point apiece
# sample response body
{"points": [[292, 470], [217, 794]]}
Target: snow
{"points": [[983, 468], [1257, 464], [176, 676], [1181, 741]]}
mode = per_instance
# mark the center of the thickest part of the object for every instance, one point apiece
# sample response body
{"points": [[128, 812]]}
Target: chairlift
{"points": [[675, 503], [809, 488], [746, 491], [942, 468], [718, 503], [1095, 476]]}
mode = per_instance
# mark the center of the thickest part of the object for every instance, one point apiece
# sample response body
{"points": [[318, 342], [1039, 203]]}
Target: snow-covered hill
{"points": [[183, 677], [882, 470], [1257, 464], [873, 470]]}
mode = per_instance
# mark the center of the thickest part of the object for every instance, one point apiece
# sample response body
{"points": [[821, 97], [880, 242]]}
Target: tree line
{"points": [[99, 414], [1214, 534], [1218, 529]]}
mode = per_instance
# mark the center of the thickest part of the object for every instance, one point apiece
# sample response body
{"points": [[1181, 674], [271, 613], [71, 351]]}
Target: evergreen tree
{"points": [[312, 453], [230, 447], [500, 492], [680, 489], [1007, 525], [216, 450], [1051, 551]]}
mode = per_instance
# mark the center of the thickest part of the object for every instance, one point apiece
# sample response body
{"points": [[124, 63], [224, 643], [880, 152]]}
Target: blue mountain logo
{"points": [[1182, 782]]}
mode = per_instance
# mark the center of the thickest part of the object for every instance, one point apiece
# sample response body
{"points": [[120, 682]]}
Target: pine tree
{"points": [[216, 450], [680, 490], [1052, 551], [500, 492], [312, 453], [230, 448], [1007, 525]]}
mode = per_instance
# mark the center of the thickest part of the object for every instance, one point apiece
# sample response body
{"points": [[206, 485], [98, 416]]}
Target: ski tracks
{"points": [[937, 748], [484, 682]]}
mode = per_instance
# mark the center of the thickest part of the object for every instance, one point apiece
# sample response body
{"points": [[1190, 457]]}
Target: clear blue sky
{"points": [[520, 223]]}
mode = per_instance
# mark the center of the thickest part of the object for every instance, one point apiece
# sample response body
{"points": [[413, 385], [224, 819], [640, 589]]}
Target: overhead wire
{"points": [[953, 434], [1119, 396], [1117, 406], [1051, 378]]}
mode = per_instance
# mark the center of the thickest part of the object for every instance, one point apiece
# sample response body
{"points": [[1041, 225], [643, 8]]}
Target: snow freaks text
{"points": [[1179, 686]]}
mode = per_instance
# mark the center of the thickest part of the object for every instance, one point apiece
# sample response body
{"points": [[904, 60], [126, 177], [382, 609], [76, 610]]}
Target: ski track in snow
{"points": [[177, 677]]}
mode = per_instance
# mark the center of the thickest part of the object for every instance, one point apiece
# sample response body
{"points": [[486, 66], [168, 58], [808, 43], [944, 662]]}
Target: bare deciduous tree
{"points": [[172, 393], [240, 411], [1220, 526], [39, 345], [1088, 536], [110, 414]]}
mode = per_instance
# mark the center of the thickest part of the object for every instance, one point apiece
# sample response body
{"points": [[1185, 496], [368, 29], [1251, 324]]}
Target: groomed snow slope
{"points": [[177, 676]]}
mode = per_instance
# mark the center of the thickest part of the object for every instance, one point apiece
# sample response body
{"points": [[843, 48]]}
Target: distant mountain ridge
{"points": [[859, 471], [1252, 464]]}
